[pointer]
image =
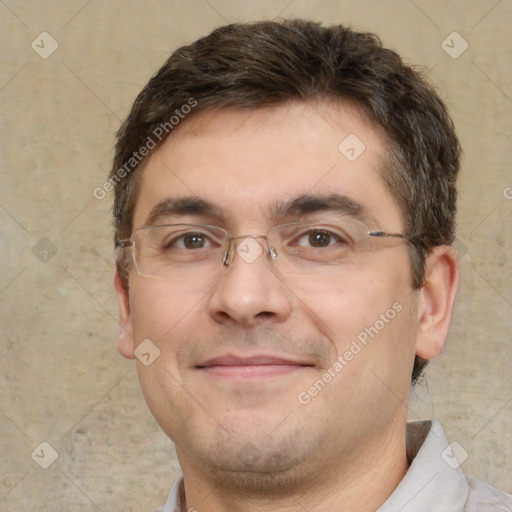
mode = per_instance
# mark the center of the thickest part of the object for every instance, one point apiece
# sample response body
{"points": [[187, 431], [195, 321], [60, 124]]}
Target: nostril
{"points": [[265, 314]]}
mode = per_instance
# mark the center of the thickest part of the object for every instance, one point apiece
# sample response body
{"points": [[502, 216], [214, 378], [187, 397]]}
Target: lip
{"points": [[250, 367]]}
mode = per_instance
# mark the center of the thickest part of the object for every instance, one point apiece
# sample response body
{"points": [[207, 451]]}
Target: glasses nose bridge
{"points": [[229, 253]]}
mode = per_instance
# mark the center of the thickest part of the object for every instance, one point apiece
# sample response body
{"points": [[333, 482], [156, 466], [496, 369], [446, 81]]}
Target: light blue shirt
{"points": [[433, 483]]}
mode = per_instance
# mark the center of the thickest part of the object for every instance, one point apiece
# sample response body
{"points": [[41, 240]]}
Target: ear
{"points": [[436, 301], [125, 343]]}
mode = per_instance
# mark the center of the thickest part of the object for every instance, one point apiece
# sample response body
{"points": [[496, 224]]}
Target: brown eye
{"points": [[194, 241], [189, 241], [318, 238]]}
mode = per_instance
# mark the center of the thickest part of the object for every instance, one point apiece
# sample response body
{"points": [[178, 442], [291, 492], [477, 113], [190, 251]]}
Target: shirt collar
{"points": [[174, 501], [433, 481]]}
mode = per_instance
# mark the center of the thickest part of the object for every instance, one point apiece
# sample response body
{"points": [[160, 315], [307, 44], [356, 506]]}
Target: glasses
{"points": [[320, 249]]}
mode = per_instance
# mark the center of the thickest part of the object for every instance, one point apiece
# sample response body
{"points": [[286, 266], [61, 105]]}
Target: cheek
{"points": [[349, 305], [159, 310], [375, 355], [388, 349], [165, 317], [370, 319]]}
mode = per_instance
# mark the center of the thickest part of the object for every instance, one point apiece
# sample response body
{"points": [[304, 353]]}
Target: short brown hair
{"points": [[268, 63]]}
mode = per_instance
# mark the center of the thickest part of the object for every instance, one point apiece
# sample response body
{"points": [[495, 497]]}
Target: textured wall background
{"points": [[61, 379]]}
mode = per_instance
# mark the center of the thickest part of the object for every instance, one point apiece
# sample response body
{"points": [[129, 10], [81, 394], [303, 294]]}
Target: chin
{"points": [[275, 465], [276, 474]]}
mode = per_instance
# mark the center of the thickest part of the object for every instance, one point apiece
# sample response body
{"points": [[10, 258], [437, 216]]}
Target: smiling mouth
{"points": [[251, 367]]}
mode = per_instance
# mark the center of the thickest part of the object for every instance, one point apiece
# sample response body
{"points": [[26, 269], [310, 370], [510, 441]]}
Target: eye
{"points": [[189, 241], [319, 238]]}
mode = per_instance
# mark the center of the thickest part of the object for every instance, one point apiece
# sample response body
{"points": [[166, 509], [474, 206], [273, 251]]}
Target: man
{"points": [[284, 209]]}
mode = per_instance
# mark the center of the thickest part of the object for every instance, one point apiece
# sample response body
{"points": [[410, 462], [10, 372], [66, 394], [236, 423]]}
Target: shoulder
{"points": [[482, 498]]}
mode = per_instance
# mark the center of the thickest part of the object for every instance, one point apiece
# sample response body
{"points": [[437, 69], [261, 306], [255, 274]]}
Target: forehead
{"points": [[247, 163]]}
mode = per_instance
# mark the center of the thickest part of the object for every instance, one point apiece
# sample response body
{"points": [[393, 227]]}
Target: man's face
{"points": [[252, 418]]}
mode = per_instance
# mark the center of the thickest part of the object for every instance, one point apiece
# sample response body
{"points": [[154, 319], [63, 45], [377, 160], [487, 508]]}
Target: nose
{"points": [[250, 292]]}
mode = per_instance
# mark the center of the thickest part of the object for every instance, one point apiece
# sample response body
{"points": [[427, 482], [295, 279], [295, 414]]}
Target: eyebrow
{"points": [[307, 204], [302, 205]]}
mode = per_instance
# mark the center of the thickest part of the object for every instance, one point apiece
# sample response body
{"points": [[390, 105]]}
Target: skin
{"points": [[345, 449]]}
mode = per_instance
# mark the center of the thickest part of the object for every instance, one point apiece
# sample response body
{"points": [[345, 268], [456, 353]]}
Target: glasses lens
{"points": [[307, 248], [178, 249], [322, 249]]}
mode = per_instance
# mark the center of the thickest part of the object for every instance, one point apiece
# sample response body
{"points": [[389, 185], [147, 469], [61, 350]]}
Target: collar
{"points": [[176, 497], [434, 480]]}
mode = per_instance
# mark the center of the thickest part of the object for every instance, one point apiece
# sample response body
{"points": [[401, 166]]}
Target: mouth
{"points": [[254, 367]]}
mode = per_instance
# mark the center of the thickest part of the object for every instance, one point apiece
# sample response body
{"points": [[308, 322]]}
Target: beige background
{"points": [[61, 379]]}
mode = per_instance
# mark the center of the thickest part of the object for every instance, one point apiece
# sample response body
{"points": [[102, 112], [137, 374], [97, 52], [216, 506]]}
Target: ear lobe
{"points": [[437, 296], [125, 342]]}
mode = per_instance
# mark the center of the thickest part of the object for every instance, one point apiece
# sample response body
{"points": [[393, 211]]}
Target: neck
{"points": [[361, 482]]}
